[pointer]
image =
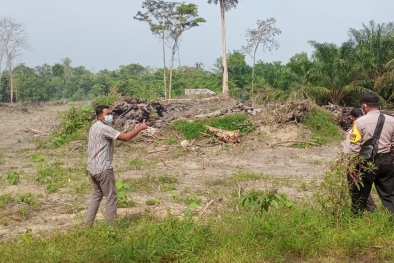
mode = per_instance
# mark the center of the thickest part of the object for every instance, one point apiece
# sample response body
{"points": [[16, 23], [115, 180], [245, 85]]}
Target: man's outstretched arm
{"points": [[131, 134]]}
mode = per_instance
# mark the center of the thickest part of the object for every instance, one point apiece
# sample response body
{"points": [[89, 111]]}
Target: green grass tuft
{"points": [[196, 129], [322, 125]]}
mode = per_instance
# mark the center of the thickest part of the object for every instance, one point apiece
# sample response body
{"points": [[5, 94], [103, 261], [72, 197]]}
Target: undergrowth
{"points": [[196, 129], [295, 234], [322, 125]]}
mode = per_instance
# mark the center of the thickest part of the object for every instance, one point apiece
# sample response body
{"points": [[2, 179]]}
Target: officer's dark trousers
{"points": [[371, 206], [383, 177]]}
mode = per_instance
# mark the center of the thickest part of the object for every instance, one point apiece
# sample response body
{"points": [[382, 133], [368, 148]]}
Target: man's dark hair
{"points": [[356, 112], [100, 108], [371, 99]]}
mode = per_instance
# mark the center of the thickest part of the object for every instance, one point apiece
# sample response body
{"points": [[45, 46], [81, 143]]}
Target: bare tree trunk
{"points": [[164, 69], [1, 60], [172, 65], [224, 54], [11, 85], [254, 64]]}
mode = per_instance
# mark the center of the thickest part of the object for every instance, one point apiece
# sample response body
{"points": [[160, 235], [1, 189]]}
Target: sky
{"points": [[102, 34]]}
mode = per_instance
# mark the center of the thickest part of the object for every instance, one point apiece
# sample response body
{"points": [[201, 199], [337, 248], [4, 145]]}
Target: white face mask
{"points": [[108, 119]]}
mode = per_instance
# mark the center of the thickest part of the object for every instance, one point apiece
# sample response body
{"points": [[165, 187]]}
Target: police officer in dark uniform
{"points": [[383, 174]]}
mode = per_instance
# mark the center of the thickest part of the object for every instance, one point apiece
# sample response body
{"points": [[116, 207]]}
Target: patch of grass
{"points": [[74, 123], [232, 122], [248, 176], [13, 177], [190, 199], [171, 141], [152, 202], [29, 199], [296, 234], [322, 125], [82, 188], [124, 200], [51, 175], [190, 130], [5, 199], [168, 179], [196, 129], [2, 157], [138, 164], [216, 182], [143, 184], [168, 187]]}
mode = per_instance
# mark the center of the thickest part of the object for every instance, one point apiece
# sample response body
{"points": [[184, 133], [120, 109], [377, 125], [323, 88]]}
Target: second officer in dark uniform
{"points": [[383, 175]]}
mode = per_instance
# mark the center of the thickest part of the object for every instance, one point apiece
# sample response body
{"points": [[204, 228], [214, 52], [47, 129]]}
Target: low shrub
{"points": [[322, 125]]}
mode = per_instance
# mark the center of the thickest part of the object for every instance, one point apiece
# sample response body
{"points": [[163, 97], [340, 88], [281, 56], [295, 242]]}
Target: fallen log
{"points": [[224, 135]]}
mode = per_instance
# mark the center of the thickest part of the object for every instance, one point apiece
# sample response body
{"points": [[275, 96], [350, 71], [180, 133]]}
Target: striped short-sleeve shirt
{"points": [[100, 147]]}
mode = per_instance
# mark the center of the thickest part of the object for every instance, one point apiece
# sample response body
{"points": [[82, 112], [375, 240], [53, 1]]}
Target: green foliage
{"points": [[196, 129], [192, 199], [50, 175], [152, 202], [322, 125], [5, 199], [13, 177], [123, 199], [135, 163], [262, 202], [37, 158], [332, 194], [190, 130], [245, 176], [75, 122], [29, 199], [300, 234], [232, 122]]}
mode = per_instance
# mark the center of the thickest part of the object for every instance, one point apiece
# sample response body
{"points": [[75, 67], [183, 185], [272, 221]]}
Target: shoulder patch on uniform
{"points": [[355, 136]]}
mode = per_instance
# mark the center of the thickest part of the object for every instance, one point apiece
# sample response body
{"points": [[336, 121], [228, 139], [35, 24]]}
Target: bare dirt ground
{"points": [[162, 175]]}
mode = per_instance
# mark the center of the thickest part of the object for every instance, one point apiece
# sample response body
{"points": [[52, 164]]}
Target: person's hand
{"points": [[143, 126]]}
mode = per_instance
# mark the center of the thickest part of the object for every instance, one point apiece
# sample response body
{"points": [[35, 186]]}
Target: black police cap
{"points": [[369, 97]]}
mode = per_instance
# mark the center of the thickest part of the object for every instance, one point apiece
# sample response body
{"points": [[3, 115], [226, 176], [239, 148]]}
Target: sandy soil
{"points": [[204, 171]]}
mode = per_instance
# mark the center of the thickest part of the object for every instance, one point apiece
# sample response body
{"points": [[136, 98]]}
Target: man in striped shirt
{"points": [[100, 155]]}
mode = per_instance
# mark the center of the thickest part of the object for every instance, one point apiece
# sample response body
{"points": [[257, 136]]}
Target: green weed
{"points": [[29, 199], [263, 202], [152, 202], [5, 199], [197, 129], [51, 175], [124, 200], [13, 177], [190, 130], [322, 125], [248, 176], [300, 234], [190, 199]]}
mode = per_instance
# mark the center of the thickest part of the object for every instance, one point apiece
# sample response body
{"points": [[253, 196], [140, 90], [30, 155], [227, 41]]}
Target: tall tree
{"points": [[184, 18], [263, 36], [157, 16], [13, 38], [374, 49], [331, 73], [225, 5]]}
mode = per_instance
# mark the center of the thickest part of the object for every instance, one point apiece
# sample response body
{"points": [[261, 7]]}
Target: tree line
{"points": [[333, 73]]}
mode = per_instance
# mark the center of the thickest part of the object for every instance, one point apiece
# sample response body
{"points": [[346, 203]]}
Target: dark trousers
{"points": [[371, 206], [383, 178]]}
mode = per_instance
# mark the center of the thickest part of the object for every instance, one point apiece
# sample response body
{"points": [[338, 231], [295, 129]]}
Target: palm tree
{"points": [[331, 73], [375, 52]]}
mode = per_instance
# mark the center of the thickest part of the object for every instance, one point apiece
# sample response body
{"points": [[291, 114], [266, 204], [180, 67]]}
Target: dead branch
{"points": [[161, 150], [293, 141], [206, 207]]}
